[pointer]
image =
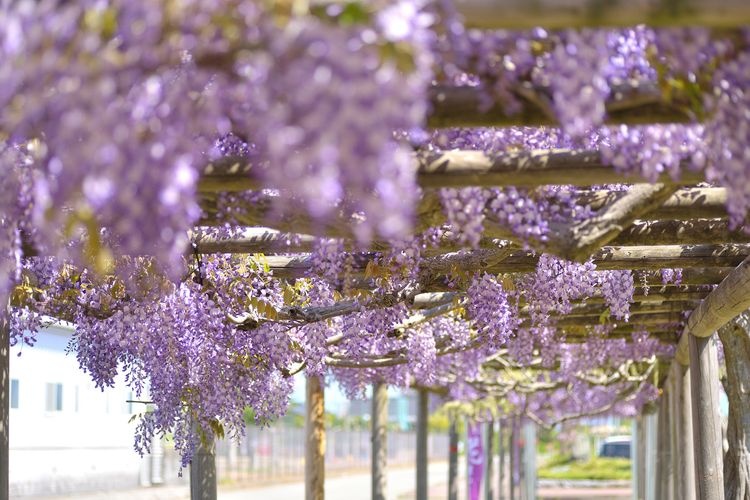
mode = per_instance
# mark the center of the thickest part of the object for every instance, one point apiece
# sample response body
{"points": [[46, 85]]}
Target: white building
{"points": [[65, 434]]}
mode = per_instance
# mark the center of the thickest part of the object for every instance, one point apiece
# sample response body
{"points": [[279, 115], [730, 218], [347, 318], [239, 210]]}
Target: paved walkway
{"points": [[341, 487], [352, 486]]}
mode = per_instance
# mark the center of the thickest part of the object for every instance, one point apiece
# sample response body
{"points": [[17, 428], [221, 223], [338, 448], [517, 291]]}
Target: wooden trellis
{"points": [[650, 226]]}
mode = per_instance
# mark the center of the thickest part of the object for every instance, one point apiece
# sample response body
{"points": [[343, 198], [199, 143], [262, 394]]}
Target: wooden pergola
{"points": [[646, 228]]}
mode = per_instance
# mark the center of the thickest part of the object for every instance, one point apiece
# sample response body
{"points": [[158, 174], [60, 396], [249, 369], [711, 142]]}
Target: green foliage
{"points": [[564, 467], [439, 422]]}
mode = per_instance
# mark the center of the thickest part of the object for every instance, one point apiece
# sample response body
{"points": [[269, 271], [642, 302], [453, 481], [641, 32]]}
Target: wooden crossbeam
{"points": [[691, 276], [629, 103], [727, 301], [679, 232], [637, 320], [579, 240], [641, 233], [685, 204], [609, 258], [469, 168], [667, 328], [555, 14]]}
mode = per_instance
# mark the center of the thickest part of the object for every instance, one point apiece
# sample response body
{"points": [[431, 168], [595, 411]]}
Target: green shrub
{"points": [[596, 468]]}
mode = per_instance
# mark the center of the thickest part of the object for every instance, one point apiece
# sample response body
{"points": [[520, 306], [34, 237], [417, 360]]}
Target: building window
{"points": [[14, 393], [54, 397]]}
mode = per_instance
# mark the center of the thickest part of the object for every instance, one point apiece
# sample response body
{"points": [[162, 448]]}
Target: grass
{"points": [[564, 467]]}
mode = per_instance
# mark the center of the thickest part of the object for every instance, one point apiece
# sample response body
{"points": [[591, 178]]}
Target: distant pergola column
{"points": [[704, 379], [422, 415], [379, 440], [453, 460], [489, 453], [501, 459], [665, 431], [316, 440], [686, 458]]}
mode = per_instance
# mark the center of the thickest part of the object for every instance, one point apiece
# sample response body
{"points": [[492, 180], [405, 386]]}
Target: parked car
{"points": [[615, 446]]}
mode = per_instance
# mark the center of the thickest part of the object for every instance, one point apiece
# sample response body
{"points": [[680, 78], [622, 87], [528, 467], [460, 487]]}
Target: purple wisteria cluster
{"points": [[114, 114]]}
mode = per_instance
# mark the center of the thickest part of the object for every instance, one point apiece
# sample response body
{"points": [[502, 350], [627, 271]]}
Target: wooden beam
{"points": [[257, 240], [685, 204], [707, 440], [594, 319], [556, 14], [580, 240], [662, 331], [677, 232], [315, 446], [636, 310], [690, 276], [379, 440], [609, 258], [477, 168], [670, 256], [525, 169], [577, 247], [588, 310], [631, 103], [727, 301]]}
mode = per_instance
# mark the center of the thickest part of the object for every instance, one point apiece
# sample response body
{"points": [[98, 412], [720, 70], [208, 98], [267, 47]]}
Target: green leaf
{"points": [[400, 53], [217, 428], [354, 13], [604, 316]]}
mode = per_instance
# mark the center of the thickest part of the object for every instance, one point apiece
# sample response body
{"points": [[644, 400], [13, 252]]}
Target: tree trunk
{"points": [[736, 341]]}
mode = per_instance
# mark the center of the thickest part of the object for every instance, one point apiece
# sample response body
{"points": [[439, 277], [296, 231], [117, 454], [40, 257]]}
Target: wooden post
{"points": [[501, 459], [422, 445], [650, 461], [4, 402], [379, 439], [686, 466], [453, 461], [513, 458], [489, 493], [736, 340], [529, 460], [203, 472], [704, 379], [636, 457], [316, 440], [675, 383], [663, 452]]}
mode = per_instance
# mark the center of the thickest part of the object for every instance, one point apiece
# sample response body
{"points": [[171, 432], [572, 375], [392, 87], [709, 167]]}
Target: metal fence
{"points": [[278, 453]]}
